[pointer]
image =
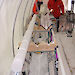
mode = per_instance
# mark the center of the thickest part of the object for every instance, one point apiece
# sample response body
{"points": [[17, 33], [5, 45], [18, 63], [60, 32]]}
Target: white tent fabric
{"points": [[45, 20]]}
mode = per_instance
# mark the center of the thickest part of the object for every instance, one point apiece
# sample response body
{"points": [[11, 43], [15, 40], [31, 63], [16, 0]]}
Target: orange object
{"points": [[35, 7]]}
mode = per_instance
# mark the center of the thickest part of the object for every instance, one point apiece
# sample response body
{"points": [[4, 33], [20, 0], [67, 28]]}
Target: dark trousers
{"points": [[23, 73], [57, 22]]}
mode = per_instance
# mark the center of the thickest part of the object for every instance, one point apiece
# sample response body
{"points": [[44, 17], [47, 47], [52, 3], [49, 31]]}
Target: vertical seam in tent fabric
{"points": [[14, 28], [24, 14]]}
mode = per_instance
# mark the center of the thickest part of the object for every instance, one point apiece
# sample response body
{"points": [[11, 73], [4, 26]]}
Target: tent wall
{"points": [[13, 14]]}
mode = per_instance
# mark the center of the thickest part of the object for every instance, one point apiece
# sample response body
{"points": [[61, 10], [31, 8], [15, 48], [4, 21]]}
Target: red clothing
{"points": [[56, 6], [35, 7]]}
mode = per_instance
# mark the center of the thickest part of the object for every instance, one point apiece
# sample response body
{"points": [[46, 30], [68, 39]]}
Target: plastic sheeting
{"points": [[39, 64], [45, 20]]}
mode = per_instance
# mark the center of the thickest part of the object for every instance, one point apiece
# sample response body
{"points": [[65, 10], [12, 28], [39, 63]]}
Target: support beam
{"points": [[18, 62]]}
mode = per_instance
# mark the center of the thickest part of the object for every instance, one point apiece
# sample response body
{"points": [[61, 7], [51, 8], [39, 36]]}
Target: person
{"points": [[36, 7], [55, 7]]}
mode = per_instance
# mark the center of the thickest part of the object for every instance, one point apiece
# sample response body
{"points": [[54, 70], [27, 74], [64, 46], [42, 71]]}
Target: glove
{"points": [[62, 14]]}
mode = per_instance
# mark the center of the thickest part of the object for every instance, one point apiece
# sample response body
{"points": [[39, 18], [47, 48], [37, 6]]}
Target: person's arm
{"points": [[62, 7], [49, 6], [34, 9]]}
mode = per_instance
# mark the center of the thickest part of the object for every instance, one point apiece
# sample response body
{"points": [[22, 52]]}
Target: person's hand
{"points": [[51, 10], [62, 14]]}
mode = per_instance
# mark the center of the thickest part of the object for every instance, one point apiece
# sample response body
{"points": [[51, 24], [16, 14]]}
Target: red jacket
{"points": [[35, 7], [56, 6]]}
